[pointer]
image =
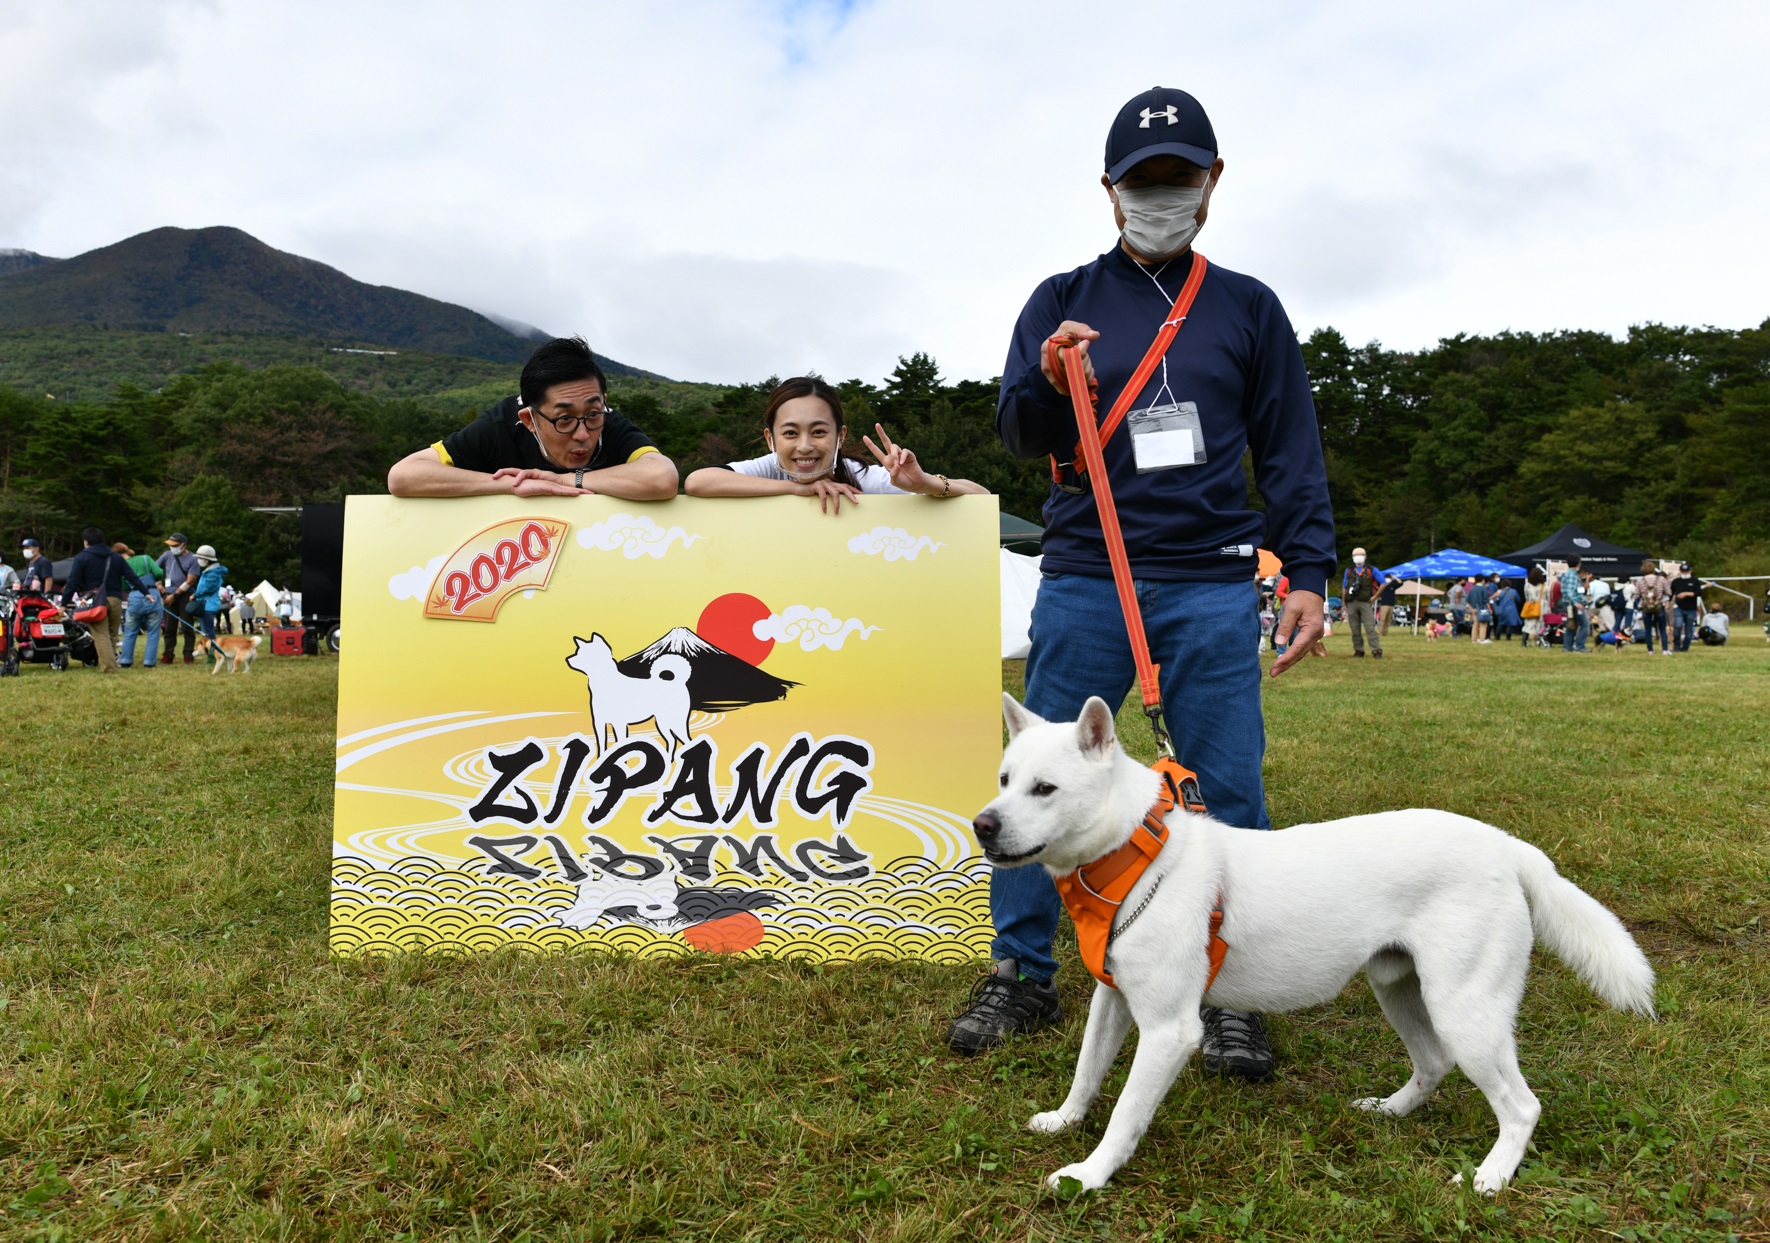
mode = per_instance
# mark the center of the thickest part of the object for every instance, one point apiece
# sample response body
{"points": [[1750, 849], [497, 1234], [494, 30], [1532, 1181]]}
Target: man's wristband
{"points": [[578, 477]]}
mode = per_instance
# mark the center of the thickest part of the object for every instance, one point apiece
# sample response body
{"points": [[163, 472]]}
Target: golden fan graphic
{"points": [[517, 554]]}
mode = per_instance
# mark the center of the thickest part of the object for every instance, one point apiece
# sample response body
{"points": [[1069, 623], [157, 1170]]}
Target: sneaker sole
{"points": [[1227, 1070]]}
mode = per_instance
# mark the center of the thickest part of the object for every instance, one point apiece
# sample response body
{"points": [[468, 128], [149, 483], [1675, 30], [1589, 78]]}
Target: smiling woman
{"points": [[806, 435]]}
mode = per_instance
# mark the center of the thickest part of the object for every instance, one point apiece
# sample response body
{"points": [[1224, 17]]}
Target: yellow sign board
{"points": [[582, 723]]}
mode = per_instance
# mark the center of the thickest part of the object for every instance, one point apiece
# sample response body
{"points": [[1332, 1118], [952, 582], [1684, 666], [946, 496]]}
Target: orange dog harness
{"points": [[1093, 894]]}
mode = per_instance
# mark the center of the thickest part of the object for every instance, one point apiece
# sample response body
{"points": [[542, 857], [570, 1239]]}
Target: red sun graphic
{"points": [[727, 622]]}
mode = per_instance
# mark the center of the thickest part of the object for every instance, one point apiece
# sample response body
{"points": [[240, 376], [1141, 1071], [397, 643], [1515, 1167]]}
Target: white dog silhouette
{"points": [[619, 702], [653, 899]]}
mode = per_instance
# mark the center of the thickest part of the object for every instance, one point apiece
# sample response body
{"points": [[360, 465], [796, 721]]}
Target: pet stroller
{"points": [[1554, 630], [34, 629], [1714, 629]]}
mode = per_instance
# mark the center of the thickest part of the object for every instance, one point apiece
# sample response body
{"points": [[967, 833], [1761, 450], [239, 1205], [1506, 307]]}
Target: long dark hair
{"points": [[845, 468]]}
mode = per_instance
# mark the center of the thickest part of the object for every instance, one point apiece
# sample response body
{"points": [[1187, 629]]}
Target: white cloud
{"points": [[414, 583], [633, 535], [772, 187], [810, 628], [892, 543]]}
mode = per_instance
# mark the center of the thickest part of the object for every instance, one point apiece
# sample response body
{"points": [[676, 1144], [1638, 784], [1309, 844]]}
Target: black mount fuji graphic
{"points": [[718, 681]]}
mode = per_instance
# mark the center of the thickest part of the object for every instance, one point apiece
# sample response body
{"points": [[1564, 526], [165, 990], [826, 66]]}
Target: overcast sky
{"points": [[723, 191]]}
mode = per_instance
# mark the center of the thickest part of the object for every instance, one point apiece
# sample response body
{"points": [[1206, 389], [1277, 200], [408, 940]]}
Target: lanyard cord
{"points": [[1164, 293]]}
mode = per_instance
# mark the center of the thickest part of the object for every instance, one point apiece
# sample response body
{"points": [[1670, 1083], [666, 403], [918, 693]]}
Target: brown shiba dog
{"points": [[234, 650]]}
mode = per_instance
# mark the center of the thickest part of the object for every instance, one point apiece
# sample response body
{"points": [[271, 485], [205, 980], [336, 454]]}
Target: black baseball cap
{"points": [[177, 537], [1161, 121], [30, 543]]}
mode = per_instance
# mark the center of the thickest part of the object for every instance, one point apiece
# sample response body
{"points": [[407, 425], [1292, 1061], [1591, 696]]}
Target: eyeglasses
{"points": [[568, 424]]}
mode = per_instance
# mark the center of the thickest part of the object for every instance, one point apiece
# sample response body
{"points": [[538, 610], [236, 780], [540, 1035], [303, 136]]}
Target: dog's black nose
{"points": [[986, 826]]}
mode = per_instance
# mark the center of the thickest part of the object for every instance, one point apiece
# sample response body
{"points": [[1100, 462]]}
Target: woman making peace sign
{"points": [[805, 432]]}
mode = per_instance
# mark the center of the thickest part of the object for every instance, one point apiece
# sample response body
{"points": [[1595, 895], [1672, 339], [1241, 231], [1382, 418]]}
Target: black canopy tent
{"points": [[1019, 535], [1603, 558]]}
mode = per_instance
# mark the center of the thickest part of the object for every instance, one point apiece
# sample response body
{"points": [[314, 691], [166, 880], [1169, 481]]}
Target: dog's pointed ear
{"points": [[1094, 729], [1017, 716]]}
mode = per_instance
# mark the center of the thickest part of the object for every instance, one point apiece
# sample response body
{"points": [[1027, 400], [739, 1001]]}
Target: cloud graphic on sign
{"points": [[634, 535], [415, 582], [892, 543], [810, 628]]}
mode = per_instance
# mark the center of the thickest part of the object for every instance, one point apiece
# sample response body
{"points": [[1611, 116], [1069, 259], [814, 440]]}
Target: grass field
{"points": [[182, 1059]]}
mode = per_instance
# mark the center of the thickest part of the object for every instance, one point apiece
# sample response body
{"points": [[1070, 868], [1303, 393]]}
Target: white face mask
{"points": [[1160, 221], [1358, 561]]}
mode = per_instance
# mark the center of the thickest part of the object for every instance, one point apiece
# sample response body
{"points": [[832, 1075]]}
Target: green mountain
{"points": [[222, 280], [19, 260]]}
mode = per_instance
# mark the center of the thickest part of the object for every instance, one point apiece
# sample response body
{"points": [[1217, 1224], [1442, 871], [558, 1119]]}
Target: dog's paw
{"points": [[1488, 1182], [1080, 1173], [1050, 1123]]}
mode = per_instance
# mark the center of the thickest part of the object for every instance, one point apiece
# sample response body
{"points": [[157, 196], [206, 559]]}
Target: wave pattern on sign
{"points": [[911, 908]]}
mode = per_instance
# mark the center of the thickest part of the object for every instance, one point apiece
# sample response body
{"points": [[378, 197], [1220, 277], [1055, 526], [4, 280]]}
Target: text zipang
{"points": [[840, 861], [832, 773]]}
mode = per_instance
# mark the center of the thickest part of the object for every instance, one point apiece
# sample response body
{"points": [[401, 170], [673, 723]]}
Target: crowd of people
{"points": [[1573, 608], [125, 599]]}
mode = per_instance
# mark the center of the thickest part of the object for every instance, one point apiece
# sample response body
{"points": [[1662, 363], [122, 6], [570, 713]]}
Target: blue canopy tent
{"points": [[1452, 563], [1455, 563]]}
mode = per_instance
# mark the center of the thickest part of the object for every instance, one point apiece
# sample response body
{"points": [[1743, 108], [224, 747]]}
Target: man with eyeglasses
{"points": [[558, 438]]}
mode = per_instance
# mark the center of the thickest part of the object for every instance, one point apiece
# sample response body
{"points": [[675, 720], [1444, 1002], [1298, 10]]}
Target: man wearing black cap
{"points": [[1230, 381], [39, 571], [1686, 607]]}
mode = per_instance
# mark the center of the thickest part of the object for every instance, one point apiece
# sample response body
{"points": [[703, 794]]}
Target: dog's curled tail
{"points": [[1584, 934]]}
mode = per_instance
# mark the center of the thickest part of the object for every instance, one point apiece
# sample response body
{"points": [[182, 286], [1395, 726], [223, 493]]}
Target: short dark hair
{"points": [[92, 535], [559, 361], [1573, 563]]}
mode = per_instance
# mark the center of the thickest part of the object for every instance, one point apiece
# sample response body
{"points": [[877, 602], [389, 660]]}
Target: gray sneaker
{"points": [[1002, 1005], [1235, 1044]]}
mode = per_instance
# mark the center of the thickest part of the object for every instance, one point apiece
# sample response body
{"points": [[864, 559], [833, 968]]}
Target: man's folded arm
{"points": [[647, 476], [425, 473]]}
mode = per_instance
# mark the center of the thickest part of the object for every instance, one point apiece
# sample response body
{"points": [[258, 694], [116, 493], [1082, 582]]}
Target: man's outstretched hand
{"points": [[1302, 622]]}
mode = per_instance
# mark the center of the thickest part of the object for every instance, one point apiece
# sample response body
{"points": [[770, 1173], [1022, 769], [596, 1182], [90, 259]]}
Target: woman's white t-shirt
{"points": [[875, 480]]}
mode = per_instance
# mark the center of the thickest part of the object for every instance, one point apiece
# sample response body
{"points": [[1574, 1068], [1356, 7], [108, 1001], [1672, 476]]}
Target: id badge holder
{"points": [[1166, 436]]}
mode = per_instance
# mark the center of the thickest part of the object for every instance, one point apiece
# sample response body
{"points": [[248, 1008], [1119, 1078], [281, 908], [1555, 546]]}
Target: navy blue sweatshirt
{"points": [[1237, 357], [96, 566]]}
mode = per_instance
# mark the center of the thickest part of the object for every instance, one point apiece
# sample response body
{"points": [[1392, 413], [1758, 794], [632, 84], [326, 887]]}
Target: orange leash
{"points": [[1094, 893], [1148, 672]]}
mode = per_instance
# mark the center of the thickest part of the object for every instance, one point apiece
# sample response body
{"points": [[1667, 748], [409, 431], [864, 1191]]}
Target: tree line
{"points": [[1660, 440]]}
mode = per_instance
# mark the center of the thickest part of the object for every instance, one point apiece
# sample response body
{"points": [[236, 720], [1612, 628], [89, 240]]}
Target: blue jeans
{"points": [[1575, 629], [1206, 638], [141, 615], [207, 620], [1683, 629], [1655, 622]]}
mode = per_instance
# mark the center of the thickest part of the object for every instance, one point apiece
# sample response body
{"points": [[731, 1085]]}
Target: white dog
{"points": [[619, 702], [1438, 910]]}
